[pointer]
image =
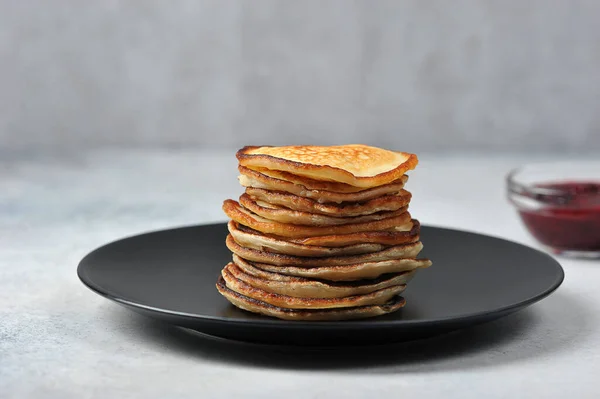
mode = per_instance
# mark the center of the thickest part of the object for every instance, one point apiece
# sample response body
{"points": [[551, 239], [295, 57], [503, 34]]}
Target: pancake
{"points": [[256, 222], [310, 184], [252, 178], [346, 209], [357, 165], [252, 239], [396, 252], [359, 271], [378, 297], [260, 307], [307, 288], [285, 215], [391, 237], [401, 235]]}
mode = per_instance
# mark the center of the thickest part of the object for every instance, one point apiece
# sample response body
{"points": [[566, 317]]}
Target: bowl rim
{"points": [[515, 186]]}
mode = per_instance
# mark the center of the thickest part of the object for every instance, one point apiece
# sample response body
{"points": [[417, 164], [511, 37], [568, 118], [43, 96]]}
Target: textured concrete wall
{"points": [[415, 74]]}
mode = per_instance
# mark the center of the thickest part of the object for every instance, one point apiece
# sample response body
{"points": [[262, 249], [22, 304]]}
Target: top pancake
{"points": [[355, 164]]}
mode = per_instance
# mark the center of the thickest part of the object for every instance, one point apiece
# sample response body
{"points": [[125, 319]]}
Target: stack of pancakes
{"points": [[321, 233]]}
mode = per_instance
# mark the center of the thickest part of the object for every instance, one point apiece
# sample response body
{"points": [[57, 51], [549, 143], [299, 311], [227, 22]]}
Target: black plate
{"points": [[171, 275]]}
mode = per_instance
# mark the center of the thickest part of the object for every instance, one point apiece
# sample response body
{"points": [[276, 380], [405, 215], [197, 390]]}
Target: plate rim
{"points": [[365, 323]]}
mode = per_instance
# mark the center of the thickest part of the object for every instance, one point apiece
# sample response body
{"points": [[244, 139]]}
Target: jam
{"points": [[569, 218]]}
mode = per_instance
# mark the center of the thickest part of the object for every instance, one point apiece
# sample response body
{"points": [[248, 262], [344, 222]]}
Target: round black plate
{"points": [[171, 275]]}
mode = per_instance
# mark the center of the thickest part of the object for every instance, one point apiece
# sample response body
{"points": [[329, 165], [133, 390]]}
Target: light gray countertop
{"points": [[59, 340]]}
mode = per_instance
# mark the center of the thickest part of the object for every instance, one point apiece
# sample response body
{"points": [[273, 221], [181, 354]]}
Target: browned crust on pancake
{"points": [[345, 209], [407, 251], [311, 184], [353, 272], [377, 237], [260, 307], [378, 297], [359, 181], [253, 239], [289, 216], [247, 267], [234, 210], [324, 195], [307, 288], [386, 238]]}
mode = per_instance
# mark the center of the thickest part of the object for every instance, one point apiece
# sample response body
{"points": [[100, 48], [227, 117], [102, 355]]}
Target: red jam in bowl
{"points": [[569, 218]]}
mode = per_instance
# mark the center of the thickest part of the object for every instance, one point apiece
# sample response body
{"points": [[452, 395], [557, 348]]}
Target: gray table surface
{"points": [[59, 340]]}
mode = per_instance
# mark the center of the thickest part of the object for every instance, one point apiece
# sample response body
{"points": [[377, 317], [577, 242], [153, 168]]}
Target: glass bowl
{"points": [[559, 204]]}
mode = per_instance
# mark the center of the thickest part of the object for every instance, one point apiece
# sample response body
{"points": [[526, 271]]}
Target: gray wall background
{"points": [[415, 75]]}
